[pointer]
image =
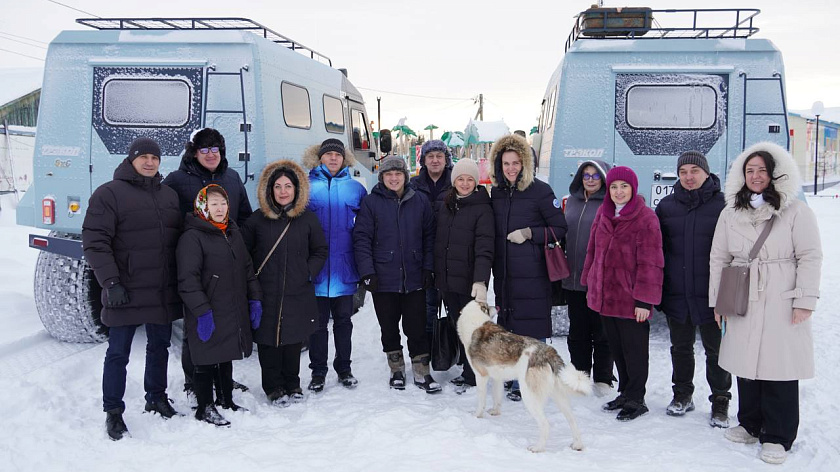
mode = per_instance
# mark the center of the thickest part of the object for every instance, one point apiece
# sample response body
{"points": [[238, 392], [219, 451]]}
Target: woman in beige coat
{"points": [[770, 348]]}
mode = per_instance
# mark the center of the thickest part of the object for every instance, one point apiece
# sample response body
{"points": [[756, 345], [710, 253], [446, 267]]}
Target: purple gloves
{"points": [[206, 326], [255, 311]]}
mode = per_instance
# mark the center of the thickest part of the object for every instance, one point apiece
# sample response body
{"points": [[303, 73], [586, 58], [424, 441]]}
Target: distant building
{"points": [[22, 111], [803, 138], [20, 96]]}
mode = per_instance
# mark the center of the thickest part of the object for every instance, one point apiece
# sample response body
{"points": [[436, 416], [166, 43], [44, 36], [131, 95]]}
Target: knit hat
{"points": [[626, 174], [205, 138], [393, 163], [693, 157], [142, 146], [435, 145], [465, 166], [331, 144]]}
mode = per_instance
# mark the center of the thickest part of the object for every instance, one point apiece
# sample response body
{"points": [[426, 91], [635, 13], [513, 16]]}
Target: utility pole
{"points": [[479, 115], [378, 124], [817, 109]]}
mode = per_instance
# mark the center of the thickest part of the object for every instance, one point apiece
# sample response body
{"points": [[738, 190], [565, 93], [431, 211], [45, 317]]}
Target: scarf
{"points": [[202, 211]]}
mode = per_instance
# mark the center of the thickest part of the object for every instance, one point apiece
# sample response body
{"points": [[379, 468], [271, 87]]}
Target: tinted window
{"points": [[333, 115], [296, 110], [143, 102], [361, 140]]}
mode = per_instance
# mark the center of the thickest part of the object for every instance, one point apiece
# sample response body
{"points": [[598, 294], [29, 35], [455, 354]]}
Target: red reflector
{"points": [[40, 242]]}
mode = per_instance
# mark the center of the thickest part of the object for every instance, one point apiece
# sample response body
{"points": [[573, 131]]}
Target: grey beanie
{"points": [[693, 157], [465, 166], [393, 163], [142, 146]]}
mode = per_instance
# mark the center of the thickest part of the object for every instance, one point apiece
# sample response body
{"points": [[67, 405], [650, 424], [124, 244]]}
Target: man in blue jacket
{"points": [[688, 218], [335, 197]]}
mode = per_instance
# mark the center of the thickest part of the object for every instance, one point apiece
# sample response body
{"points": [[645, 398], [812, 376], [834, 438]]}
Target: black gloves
{"points": [[117, 296], [370, 282], [428, 279]]}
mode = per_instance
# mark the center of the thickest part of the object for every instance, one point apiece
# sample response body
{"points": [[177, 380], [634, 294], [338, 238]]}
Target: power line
{"points": [[413, 95], [22, 37], [73, 8], [22, 54], [21, 42]]}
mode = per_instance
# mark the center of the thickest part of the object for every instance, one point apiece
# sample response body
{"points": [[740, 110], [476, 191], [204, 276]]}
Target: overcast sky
{"points": [[447, 52]]}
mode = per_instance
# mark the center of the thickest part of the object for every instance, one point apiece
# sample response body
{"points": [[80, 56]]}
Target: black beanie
{"points": [[331, 144], [142, 146], [693, 157]]}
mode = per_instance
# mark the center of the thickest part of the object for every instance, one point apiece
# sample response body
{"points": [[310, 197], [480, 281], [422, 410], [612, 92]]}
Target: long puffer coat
{"points": [[464, 243], [215, 273], [688, 220], [580, 214], [290, 310], [520, 277], [765, 344], [129, 235], [191, 177], [336, 200]]}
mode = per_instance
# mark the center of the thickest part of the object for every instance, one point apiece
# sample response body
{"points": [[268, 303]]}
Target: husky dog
{"points": [[501, 355]]}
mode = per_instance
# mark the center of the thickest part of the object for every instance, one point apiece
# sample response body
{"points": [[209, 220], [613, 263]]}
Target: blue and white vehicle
{"points": [[637, 87], [269, 96]]}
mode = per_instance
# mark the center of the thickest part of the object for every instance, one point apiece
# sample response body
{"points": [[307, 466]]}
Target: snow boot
{"points": [[296, 395], [279, 398], [739, 434], [225, 379], [115, 425], [316, 385], [396, 362], [680, 405], [773, 453], [163, 407], [209, 414], [347, 380], [457, 381], [615, 404], [720, 412], [632, 410], [397, 381], [422, 375]]}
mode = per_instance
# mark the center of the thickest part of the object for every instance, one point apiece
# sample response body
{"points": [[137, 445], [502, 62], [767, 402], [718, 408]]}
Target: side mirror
{"points": [[385, 141]]}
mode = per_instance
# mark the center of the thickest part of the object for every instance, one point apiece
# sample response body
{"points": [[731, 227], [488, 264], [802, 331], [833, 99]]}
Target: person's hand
{"points": [[370, 282], [255, 313], [519, 236], [117, 296], [719, 318], [479, 292], [206, 326], [800, 315], [642, 314]]}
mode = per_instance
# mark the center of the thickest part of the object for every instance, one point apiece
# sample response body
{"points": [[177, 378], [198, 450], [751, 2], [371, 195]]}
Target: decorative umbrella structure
{"points": [[403, 131], [431, 128], [534, 130], [453, 139]]}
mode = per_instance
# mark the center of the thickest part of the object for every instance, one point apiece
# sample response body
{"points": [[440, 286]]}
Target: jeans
{"points": [[682, 358], [341, 309], [117, 356]]}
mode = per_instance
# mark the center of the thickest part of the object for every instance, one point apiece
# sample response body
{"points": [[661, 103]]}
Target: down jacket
{"points": [[215, 273], [580, 214], [129, 235], [624, 260], [290, 310], [336, 200], [688, 220], [394, 239], [765, 344], [191, 177], [520, 278]]}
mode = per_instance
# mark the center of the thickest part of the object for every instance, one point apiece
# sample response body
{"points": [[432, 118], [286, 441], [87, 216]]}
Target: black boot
{"points": [[396, 363], [316, 384], [209, 414], [422, 375], [226, 381], [203, 380], [115, 425], [163, 407], [631, 410], [347, 380]]}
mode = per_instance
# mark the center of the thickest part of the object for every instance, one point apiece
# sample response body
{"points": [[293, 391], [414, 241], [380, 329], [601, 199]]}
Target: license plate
{"points": [[658, 192]]}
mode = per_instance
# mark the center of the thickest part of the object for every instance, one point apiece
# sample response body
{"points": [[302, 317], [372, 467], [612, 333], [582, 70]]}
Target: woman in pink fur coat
{"points": [[623, 275]]}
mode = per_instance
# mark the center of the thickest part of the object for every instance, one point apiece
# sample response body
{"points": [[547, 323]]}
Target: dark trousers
{"points": [[117, 356], [455, 302], [205, 376], [769, 409], [587, 340], [432, 305], [682, 358], [391, 308], [341, 309], [628, 341], [280, 367]]}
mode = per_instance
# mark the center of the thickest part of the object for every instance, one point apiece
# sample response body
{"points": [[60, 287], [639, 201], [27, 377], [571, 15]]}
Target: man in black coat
{"points": [[688, 218], [129, 236], [204, 163]]}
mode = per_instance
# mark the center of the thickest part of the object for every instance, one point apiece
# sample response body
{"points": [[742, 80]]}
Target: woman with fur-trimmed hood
{"points": [[524, 208], [771, 347], [288, 249]]}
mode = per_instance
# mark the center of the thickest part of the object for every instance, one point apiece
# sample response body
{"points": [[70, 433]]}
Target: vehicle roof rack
{"points": [[242, 24], [647, 23]]}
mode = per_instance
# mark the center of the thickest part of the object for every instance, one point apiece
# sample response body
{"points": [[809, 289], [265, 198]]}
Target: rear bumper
{"points": [[66, 247]]}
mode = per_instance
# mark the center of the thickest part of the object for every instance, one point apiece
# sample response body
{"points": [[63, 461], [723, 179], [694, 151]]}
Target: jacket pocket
{"points": [[211, 289], [383, 256], [350, 212]]}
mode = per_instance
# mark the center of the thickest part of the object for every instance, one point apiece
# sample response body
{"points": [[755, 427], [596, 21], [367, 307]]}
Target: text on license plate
{"points": [[658, 192]]}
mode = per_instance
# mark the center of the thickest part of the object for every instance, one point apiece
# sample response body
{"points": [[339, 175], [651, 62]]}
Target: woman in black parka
{"points": [[290, 310], [464, 249], [221, 297]]}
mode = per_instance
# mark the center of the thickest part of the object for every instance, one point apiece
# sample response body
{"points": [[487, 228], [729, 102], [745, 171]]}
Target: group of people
{"points": [[276, 276]]}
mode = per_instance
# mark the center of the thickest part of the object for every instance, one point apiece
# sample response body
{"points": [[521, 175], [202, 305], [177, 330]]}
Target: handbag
{"points": [[734, 290], [273, 248], [555, 257], [445, 348]]}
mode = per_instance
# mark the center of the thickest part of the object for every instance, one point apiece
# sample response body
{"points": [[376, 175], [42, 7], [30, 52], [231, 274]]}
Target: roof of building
{"points": [[18, 82]]}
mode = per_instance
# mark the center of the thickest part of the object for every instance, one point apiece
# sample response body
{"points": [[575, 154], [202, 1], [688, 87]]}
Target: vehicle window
{"points": [[361, 139], [146, 102], [671, 107], [333, 115], [296, 110]]}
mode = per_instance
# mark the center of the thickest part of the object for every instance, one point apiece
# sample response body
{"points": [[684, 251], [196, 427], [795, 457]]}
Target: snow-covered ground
{"points": [[51, 410]]}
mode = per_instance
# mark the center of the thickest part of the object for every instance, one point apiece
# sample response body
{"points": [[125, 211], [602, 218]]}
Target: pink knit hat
{"points": [[626, 174]]}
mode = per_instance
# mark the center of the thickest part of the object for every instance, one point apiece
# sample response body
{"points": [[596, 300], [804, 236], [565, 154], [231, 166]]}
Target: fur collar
{"points": [[517, 144], [788, 186], [310, 157], [302, 200]]}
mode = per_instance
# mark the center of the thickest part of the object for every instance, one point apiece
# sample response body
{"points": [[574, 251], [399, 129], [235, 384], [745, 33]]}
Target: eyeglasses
{"points": [[207, 150], [591, 176]]}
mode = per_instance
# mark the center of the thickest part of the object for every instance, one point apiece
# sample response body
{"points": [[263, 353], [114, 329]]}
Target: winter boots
{"points": [[773, 453], [422, 375], [115, 425], [347, 380], [739, 434], [396, 363], [316, 385], [680, 405], [615, 404], [163, 407], [631, 410], [720, 412], [203, 385], [224, 378]]}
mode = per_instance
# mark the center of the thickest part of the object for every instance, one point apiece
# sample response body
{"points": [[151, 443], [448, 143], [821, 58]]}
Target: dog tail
{"points": [[576, 380]]}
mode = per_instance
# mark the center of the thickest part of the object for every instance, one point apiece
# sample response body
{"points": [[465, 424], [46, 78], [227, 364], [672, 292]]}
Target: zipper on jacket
{"points": [[282, 297], [577, 238], [399, 237]]}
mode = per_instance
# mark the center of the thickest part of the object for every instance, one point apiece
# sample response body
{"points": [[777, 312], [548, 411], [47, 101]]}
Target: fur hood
{"points": [[517, 144], [267, 206], [310, 157], [788, 186]]}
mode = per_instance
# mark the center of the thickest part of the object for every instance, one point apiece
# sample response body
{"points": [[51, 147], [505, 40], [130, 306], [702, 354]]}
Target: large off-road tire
{"points": [[67, 298]]}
